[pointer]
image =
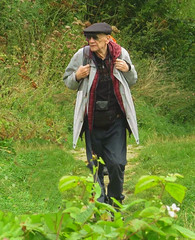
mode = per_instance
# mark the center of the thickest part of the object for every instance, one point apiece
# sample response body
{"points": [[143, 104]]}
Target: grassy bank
{"points": [[30, 175]]}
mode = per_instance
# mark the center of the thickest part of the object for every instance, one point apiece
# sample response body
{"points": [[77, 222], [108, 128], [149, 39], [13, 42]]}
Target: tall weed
{"points": [[158, 88], [25, 22], [35, 103]]}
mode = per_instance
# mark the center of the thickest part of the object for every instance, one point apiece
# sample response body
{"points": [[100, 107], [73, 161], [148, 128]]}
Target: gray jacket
{"points": [[126, 80]]}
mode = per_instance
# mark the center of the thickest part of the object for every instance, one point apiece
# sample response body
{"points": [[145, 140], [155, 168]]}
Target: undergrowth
{"points": [[37, 40]]}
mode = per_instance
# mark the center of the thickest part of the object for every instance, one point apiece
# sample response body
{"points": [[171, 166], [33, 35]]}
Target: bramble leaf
{"points": [[177, 191], [146, 182], [184, 231], [85, 215], [68, 182], [150, 212]]}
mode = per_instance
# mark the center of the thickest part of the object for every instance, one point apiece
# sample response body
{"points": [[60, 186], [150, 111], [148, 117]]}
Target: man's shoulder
{"points": [[124, 51], [78, 54], [83, 51]]}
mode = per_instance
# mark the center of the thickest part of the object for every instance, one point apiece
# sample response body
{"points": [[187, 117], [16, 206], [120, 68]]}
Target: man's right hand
{"points": [[82, 72]]}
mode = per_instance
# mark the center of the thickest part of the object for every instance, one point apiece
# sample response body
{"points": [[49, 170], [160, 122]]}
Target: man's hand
{"points": [[82, 72], [121, 65]]}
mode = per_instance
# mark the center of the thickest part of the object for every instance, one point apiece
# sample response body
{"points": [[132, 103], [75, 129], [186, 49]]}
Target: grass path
{"points": [[132, 153], [160, 157], [29, 176]]}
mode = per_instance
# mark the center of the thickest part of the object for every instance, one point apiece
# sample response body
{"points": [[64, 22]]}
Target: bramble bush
{"points": [[85, 218]]}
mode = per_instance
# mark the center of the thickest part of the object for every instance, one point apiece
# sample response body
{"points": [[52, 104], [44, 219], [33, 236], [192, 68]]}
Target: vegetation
{"points": [[77, 220], [37, 40]]}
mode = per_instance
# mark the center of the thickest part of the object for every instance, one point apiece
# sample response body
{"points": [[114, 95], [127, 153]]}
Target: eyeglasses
{"points": [[89, 36]]}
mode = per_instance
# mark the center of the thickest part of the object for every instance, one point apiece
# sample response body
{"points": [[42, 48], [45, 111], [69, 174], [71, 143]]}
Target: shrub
{"points": [[94, 220]]}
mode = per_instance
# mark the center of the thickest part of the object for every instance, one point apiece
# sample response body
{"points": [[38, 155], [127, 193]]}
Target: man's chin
{"points": [[93, 48]]}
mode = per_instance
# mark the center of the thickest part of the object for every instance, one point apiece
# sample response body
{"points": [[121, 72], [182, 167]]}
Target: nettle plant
{"points": [[85, 218]]}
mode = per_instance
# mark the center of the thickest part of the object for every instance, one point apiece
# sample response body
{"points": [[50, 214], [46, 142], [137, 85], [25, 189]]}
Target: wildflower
{"points": [[172, 210], [175, 208]]}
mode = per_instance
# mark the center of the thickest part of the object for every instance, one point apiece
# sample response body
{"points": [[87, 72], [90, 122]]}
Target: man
{"points": [[104, 106]]}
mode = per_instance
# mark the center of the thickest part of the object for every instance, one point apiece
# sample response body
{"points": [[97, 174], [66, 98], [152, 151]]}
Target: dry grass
{"points": [[159, 89]]}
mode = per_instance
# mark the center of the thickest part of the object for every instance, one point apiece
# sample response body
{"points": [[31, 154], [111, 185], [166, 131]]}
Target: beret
{"points": [[98, 28]]}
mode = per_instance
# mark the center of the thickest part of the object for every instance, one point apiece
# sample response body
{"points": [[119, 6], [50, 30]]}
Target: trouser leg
{"points": [[116, 180], [111, 146], [98, 176]]}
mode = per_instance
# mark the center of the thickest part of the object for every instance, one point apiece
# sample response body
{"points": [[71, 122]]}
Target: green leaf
{"points": [[177, 191], [73, 211], [184, 231], [138, 225], [52, 220], [153, 235], [101, 161], [97, 190], [68, 182], [98, 229], [166, 220], [170, 231], [35, 218], [150, 212], [117, 202], [146, 182], [105, 206], [85, 215], [178, 175], [110, 232], [173, 177], [156, 229], [126, 207]]}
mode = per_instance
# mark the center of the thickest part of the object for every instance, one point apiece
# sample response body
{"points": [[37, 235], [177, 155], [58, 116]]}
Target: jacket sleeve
{"points": [[69, 75], [130, 76]]}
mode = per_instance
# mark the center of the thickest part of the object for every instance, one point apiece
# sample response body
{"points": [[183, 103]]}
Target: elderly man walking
{"points": [[103, 73]]}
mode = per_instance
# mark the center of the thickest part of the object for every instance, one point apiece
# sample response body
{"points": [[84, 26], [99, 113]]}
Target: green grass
{"points": [[161, 157], [29, 178], [30, 169], [37, 114]]}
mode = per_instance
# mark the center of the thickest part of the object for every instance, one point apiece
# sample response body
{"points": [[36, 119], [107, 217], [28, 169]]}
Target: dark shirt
{"points": [[105, 89]]}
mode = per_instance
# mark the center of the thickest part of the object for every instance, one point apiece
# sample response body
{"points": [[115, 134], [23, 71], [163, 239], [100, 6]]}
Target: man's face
{"points": [[98, 42]]}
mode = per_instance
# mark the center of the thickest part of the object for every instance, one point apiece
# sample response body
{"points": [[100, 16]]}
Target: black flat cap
{"points": [[98, 28]]}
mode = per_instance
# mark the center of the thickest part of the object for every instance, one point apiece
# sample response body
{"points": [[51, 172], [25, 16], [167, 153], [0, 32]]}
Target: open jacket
{"points": [[126, 79]]}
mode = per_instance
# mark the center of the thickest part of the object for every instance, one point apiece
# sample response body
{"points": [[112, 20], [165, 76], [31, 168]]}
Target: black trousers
{"points": [[110, 145]]}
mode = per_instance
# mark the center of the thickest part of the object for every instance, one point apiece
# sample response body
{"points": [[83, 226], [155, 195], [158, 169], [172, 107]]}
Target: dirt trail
{"points": [[132, 152]]}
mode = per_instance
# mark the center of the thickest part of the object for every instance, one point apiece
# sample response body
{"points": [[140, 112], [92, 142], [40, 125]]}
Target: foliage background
{"points": [[37, 40], [39, 37]]}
